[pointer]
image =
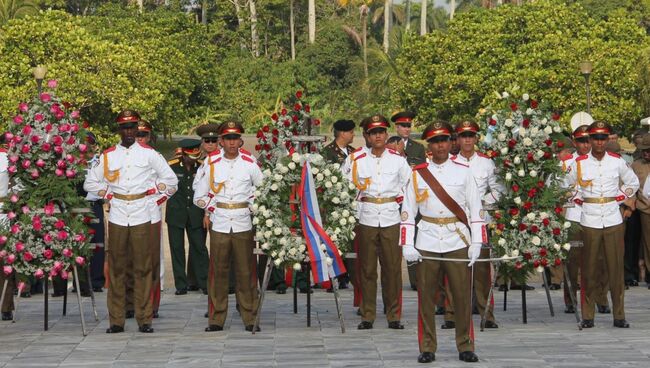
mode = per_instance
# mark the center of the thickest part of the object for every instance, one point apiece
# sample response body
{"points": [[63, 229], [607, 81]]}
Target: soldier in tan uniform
{"points": [[641, 168]]}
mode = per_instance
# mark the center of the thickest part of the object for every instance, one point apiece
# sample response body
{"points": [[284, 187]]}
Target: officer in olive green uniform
{"points": [[184, 216], [415, 155]]}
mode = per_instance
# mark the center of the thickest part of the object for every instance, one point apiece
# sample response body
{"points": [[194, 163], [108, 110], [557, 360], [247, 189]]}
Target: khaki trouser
{"points": [[154, 242], [8, 302], [482, 280], [610, 243], [380, 243], [428, 279], [239, 248], [645, 239], [130, 243]]}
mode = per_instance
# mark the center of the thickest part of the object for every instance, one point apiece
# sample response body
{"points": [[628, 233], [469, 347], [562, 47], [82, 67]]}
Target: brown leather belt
{"points": [[441, 220], [129, 197], [378, 200], [232, 206], [599, 200]]}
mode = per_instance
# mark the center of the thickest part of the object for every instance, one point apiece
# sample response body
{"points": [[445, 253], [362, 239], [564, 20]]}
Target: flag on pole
{"points": [[319, 245]]}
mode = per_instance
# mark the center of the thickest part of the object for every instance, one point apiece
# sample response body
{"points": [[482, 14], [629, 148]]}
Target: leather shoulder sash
{"points": [[444, 197]]}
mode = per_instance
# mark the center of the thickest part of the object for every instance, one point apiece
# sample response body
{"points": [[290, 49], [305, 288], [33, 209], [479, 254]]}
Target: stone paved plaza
{"points": [[179, 340]]}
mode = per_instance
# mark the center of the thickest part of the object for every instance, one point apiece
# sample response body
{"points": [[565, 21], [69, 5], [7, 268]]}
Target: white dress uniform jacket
{"points": [[130, 171], [574, 213], [383, 177], [233, 182], [460, 184], [483, 170], [593, 179]]}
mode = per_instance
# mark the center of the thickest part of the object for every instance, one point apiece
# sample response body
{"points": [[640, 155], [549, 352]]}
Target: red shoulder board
{"points": [[583, 157], [110, 149], [145, 146], [458, 163], [241, 150], [614, 154], [420, 166], [247, 158], [216, 160], [480, 154], [360, 156], [357, 150], [393, 151], [3, 150], [215, 152], [570, 156]]}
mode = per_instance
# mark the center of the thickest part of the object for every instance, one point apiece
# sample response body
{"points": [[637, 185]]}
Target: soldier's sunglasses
{"points": [[404, 125], [582, 140], [142, 134], [210, 140]]}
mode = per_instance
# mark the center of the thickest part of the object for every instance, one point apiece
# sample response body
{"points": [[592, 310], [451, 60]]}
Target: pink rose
{"points": [[39, 117], [7, 270], [48, 128], [67, 252], [52, 83], [11, 215], [59, 115], [69, 158], [35, 174], [39, 274], [58, 150], [23, 107], [70, 174], [26, 164], [40, 163], [49, 209], [11, 259], [57, 140], [58, 172], [62, 235], [15, 229], [25, 148], [35, 139], [3, 239], [79, 238], [64, 127], [83, 148], [13, 159], [27, 130], [80, 260], [58, 265], [28, 257], [64, 275], [74, 114], [9, 136], [61, 164], [25, 209], [53, 273], [59, 224], [19, 247], [13, 198], [45, 97], [46, 147], [74, 127], [71, 140], [12, 169], [18, 119], [38, 226], [47, 253]]}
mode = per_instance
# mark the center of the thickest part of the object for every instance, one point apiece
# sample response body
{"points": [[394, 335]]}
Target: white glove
{"points": [[410, 253], [473, 253]]}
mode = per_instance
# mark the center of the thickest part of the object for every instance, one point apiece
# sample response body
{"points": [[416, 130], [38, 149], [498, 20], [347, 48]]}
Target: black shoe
{"points": [[440, 311], [414, 288], [555, 287], [213, 328], [85, 293], [146, 328], [281, 291], [181, 292], [604, 309], [98, 289], [426, 357], [395, 325], [448, 325], [490, 324], [115, 329], [365, 325], [475, 310], [569, 309], [631, 283], [129, 314], [25, 294], [249, 328], [518, 287], [192, 288], [468, 357], [231, 290], [343, 285], [358, 311], [304, 291], [7, 316], [205, 291], [587, 323], [503, 287], [330, 290], [155, 314], [621, 323], [205, 315], [55, 294]]}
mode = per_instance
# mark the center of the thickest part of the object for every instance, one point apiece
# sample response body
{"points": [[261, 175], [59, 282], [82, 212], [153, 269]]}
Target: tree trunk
{"points": [[423, 17], [452, 8], [255, 38], [293, 30], [140, 5], [387, 16], [204, 12], [240, 20], [364, 31], [408, 14], [311, 13]]}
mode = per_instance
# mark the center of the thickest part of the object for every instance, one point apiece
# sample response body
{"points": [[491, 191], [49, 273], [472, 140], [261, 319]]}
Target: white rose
{"points": [[521, 173], [255, 221], [314, 170], [266, 213], [265, 246], [277, 177], [336, 200], [295, 157], [327, 172], [531, 216], [352, 220], [517, 160], [328, 184], [505, 95], [285, 169], [533, 173], [267, 173], [337, 230], [515, 253], [522, 132], [501, 137], [297, 267], [566, 246], [540, 269], [335, 215], [292, 166], [267, 234], [345, 213], [351, 186], [536, 240], [509, 123], [258, 193], [517, 200], [557, 246], [336, 166], [508, 176], [274, 187], [277, 231], [557, 129], [320, 177], [525, 97], [534, 131], [255, 206], [277, 262], [543, 215], [529, 111], [334, 237], [334, 179], [302, 248], [283, 241], [539, 153], [544, 121], [528, 141], [281, 254], [338, 186], [343, 222], [513, 222], [274, 254], [567, 224], [504, 150], [502, 242], [548, 130]]}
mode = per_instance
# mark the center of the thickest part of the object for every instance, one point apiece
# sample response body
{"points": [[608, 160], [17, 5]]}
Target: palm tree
{"points": [[311, 14], [292, 30], [407, 4], [255, 38], [12, 9], [388, 12], [423, 17], [364, 9]]}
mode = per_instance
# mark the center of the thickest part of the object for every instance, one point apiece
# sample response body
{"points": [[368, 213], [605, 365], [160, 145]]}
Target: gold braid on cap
{"points": [[355, 176], [219, 187], [419, 197], [109, 177], [583, 183]]}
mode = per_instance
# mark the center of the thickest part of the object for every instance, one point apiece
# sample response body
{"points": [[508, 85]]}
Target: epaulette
{"points": [[583, 157], [360, 156], [390, 150], [423, 165], [614, 154], [3, 150], [570, 156], [241, 150], [110, 149], [144, 145], [173, 161], [215, 160], [480, 154], [215, 152], [458, 163], [357, 150], [247, 158]]}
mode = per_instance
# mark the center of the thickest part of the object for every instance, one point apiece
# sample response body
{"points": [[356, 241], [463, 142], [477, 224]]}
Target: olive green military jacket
{"points": [[333, 153], [181, 211]]}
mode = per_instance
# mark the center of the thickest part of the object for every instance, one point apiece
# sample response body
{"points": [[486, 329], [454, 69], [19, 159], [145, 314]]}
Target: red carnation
{"points": [[294, 118], [536, 263], [260, 134], [548, 142], [494, 154], [258, 147], [527, 205], [307, 108], [533, 104], [543, 252], [275, 140], [287, 144], [501, 226], [299, 94], [274, 117], [267, 147], [497, 215], [560, 144], [523, 227], [544, 262], [540, 184], [513, 106], [265, 129], [532, 193], [316, 122], [286, 124], [558, 261], [530, 157], [558, 210], [512, 143], [546, 222], [547, 155], [518, 265], [85, 125], [555, 116], [514, 211], [297, 107], [283, 112], [556, 231], [528, 256], [525, 123], [275, 132], [515, 187], [493, 122], [534, 229]]}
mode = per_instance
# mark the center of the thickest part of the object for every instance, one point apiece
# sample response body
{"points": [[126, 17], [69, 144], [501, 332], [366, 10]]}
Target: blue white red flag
{"points": [[315, 236]]}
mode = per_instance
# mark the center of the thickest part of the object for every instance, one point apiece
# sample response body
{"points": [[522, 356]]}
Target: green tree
{"points": [[12, 9]]}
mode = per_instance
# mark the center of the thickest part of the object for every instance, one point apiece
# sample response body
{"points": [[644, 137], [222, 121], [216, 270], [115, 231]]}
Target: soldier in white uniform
{"points": [[445, 193], [597, 177], [123, 176], [226, 192], [380, 175]]}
